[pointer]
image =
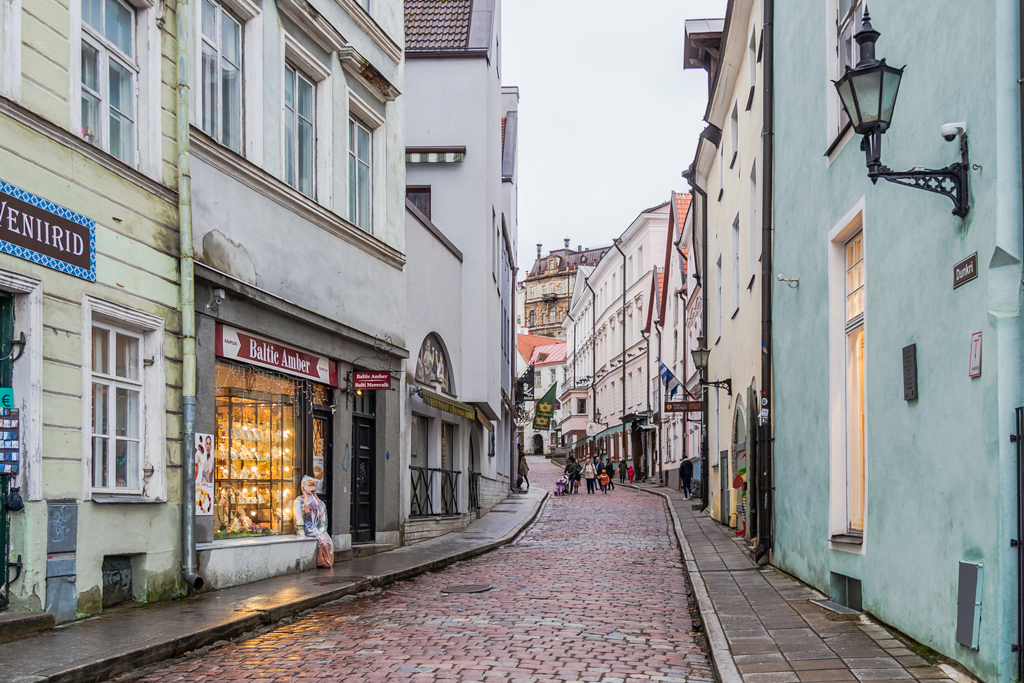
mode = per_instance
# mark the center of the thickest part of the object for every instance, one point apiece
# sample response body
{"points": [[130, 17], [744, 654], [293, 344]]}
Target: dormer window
{"points": [[551, 264]]}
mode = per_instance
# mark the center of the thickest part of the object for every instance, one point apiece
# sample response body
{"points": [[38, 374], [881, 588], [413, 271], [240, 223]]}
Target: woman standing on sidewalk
{"points": [[622, 471], [590, 474], [524, 470]]}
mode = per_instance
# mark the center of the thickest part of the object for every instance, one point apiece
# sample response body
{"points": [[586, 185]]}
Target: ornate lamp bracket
{"points": [[951, 181]]}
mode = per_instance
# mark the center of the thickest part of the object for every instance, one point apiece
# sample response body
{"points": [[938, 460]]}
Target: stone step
{"points": [[16, 625], [361, 550]]}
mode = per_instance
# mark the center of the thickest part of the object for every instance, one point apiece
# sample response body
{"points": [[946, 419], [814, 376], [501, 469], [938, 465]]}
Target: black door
{"points": [[364, 460]]}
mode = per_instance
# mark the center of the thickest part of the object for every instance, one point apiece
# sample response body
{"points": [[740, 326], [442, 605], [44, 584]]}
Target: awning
{"points": [[483, 420], [448, 405]]}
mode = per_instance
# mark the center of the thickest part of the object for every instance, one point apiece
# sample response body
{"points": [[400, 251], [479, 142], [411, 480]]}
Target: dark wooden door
{"points": [[363, 478]]}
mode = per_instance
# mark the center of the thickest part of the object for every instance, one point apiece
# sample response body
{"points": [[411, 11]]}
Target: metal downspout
{"points": [[705, 470], [622, 333], [593, 351], [188, 307], [766, 441]]}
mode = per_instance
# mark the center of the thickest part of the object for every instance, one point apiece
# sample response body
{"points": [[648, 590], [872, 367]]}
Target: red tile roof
{"points": [[682, 208], [528, 342], [550, 354], [437, 24]]}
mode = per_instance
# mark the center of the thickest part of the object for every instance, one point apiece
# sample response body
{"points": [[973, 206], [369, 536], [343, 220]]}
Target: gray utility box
{"points": [[968, 604]]}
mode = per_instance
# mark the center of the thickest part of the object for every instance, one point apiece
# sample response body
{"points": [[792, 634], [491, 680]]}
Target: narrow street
{"points": [[593, 591]]}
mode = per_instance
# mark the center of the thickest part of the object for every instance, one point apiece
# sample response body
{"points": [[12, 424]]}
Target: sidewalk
{"points": [[100, 647], [762, 627]]}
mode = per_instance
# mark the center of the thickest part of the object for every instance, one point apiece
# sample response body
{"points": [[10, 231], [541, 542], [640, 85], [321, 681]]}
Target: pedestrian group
{"points": [[600, 475]]}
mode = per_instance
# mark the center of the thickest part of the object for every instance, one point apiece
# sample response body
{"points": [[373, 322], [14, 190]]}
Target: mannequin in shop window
{"points": [[312, 513]]}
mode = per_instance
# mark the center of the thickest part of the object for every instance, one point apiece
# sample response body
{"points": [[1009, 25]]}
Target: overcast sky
{"points": [[608, 119]]}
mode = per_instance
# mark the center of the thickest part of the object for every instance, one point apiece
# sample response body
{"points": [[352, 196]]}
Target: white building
{"points": [[461, 219], [610, 360], [548, 362]]}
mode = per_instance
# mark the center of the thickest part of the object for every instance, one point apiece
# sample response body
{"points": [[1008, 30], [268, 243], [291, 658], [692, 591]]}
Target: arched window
{"points": [[432, 366]]}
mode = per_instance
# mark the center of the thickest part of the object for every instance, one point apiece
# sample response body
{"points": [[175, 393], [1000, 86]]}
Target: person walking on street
{"points": [[630, 472], [590, 474], [603, 479], [610, 469], [524, 469], [685, 477], [622, 471]]}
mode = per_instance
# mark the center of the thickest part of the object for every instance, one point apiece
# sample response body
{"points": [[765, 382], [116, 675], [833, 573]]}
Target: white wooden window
{"points": [[360, 173], [299, 130], [221, 75], [855, 470], [849, 16], [116, 409], [736, 264], [109, 71], [754, 228], [734, 133], [124, 417], [640, 261], [718, 298]]}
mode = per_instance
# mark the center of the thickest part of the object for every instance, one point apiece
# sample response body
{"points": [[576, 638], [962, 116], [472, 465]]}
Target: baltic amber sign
{"points": [[40, 231], [371, 380], [245, 346]]}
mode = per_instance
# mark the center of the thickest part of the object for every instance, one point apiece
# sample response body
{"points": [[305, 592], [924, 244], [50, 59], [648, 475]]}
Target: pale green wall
{"points": [[940, 469]]}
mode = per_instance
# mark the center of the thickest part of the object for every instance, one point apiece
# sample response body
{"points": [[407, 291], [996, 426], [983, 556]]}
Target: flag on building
{"points": [[672, 385], [545, 409]]}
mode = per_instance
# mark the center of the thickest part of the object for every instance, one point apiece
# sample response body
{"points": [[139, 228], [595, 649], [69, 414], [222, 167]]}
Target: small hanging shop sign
{"points": [[368, 381], [10, 441], [250, 348], [40, 231]]}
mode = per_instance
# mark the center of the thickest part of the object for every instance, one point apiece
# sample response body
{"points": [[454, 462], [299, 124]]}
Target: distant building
{"points": [[549, 288]]}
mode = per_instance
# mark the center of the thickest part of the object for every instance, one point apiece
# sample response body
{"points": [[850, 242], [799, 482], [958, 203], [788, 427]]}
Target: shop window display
{"points": [[257, 471]]}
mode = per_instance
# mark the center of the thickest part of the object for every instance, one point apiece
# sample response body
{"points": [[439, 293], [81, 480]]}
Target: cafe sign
{"points": [[40, 231], [247, 347]]}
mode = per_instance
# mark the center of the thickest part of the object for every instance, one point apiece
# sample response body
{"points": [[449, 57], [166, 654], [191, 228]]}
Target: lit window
{"points": [[221, 40], [298, 130], [855, 383], [360, 163], [108, 77]]}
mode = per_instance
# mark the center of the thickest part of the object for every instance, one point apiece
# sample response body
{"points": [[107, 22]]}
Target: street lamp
{"points": [[868, 94], [700, 359]]}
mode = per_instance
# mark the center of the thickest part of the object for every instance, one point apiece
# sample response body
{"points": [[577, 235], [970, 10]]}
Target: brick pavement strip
{"points": [[762, 627], [593, 591]]}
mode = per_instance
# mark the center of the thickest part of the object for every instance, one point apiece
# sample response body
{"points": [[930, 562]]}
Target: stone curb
{"points": [[722, 663], [155, 652]]}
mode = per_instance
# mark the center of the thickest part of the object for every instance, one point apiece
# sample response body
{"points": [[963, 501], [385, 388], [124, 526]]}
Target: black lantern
{"points": [[700, 359], [868, 94]]}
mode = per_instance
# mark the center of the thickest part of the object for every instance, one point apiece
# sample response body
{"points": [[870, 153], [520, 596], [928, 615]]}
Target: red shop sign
{"points": [[250, 348], [371, 380]]}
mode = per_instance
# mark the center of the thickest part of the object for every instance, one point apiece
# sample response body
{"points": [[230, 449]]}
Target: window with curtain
{"points": [[109, 73], [221, 45], [360, 166], [855, 433]]}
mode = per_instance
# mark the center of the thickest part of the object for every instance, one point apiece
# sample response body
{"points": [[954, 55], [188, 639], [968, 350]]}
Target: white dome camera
{"points": [[951, 130]]}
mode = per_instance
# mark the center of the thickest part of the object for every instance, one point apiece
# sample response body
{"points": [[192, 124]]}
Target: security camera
{"points": [[218, 296], [951, 130]]}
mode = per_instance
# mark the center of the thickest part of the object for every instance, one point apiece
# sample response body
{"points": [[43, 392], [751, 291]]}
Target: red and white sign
{"points": [[247, 347], [371, 380], [975, 370]]}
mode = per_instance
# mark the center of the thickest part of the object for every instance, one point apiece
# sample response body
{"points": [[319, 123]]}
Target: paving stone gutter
{"points": [[99, 648]]}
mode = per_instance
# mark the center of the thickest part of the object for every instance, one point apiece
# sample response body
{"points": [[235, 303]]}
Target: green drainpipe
{"points": [[188, 306]]}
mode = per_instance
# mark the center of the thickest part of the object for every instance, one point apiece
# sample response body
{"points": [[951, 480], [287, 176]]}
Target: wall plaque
{"points": [[910, 372], [975, 367], [40, 231], [966, 270]]}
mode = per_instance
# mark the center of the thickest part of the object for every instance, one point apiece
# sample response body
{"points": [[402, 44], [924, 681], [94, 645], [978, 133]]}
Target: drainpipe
{"points": [[188, 306], [593, 349], [622, 333], [765, 455]]}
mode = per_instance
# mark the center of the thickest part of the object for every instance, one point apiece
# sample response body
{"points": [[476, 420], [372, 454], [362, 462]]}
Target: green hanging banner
{"points": [[545, 409]]}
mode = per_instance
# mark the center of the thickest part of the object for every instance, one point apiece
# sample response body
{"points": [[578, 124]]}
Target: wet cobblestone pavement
{"points": [[593, 591]]}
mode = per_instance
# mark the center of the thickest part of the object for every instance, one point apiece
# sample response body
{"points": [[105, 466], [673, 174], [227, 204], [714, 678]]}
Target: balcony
{"points": [[568, 385]]}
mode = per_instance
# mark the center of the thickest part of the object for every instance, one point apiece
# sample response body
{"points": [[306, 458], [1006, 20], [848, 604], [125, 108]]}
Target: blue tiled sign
{"points": [[40, 231]]}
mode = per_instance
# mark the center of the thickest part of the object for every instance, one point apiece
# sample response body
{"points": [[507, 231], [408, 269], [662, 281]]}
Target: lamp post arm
{"points": [[951, 181]]}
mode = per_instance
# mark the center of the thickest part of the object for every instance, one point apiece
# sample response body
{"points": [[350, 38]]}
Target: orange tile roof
{"points": [[683, 200], [528, 342]]}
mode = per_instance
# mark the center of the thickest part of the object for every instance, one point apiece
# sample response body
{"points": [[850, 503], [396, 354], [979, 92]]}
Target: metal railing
{"points": [[569, 385], [427, 483], [474, 490]]}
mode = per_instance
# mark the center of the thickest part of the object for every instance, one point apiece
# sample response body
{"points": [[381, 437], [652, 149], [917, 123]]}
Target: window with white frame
{"points": [[736, 264], [299, 130], [734, 133], [721, 170], [221, 80], [640, 261], [855, 454], [849, 16], [718, 298], [752, 220], [360, 173], [116, 409], [109, 70]]}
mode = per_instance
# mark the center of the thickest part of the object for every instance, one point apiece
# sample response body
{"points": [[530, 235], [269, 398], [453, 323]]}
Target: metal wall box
{"points": [[910, 372], [968, 604], [62, 528]]}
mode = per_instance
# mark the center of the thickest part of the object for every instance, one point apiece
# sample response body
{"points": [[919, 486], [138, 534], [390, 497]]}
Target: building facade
{"points": [[548, 363], [898, 334], [606, 329], [89, 293], [548, 287], [461, 169], [299, 215]]}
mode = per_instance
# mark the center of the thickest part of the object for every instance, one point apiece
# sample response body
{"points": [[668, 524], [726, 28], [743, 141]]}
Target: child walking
{"points": [[604, 479]]}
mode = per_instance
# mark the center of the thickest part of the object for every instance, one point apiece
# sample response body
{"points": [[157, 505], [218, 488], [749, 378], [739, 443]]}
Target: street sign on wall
{"points": [[966, 270], [684, 406], [371, 380]]}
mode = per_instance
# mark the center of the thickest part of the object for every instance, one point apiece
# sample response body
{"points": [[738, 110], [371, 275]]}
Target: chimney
{"points": [[566, 241], [539, 245], [579, 247]]}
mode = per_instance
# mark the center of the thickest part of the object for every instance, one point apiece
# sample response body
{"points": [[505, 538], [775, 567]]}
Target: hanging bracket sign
{"points": [[371, 380], [250, 348]]}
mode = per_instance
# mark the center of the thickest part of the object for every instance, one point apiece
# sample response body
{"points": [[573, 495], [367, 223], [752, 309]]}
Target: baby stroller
{"points": [[562, 486]]}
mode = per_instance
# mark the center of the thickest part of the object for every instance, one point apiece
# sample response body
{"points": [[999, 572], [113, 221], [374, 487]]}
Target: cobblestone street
{"points": [[593, 591]]}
